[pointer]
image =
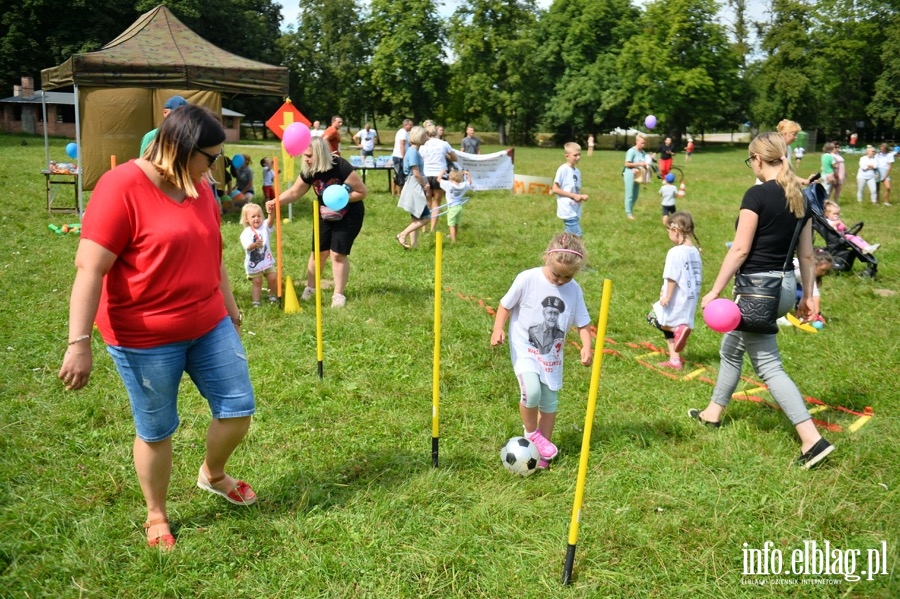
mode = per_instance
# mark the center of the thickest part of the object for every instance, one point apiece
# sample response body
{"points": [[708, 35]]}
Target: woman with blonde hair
{"points": [[789, 130], [337, 230], [413, 196], [769, 215]]}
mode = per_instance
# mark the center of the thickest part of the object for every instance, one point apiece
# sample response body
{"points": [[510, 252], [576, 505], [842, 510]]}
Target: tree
{"points": [[37, 34], [326, 55], [785, 82], [580, 45], [681, 68], [885, 107], [493, 41], [407, 61]]}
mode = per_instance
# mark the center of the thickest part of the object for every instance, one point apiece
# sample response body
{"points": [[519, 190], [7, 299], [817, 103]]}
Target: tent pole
{"points": [[80, 171], [46, 136]]}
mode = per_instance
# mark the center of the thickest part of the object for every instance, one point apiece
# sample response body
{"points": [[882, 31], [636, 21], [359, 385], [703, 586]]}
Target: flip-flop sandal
{"points": [[403, 244]]}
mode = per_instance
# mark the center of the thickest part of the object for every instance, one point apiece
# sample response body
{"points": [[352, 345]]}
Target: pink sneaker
{"points": [[547, 449], [543, 464], [682, 332], [671, 364]]}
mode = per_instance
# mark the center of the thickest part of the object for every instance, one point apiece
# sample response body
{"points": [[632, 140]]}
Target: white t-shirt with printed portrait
{"points": [[540, 315]]}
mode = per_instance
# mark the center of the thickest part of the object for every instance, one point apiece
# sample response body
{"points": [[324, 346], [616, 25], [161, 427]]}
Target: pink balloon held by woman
{"points": [[722, 315]]}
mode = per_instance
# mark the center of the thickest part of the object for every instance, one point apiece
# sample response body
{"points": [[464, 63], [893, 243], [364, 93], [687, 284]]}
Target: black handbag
{"points": [[758, 296]]}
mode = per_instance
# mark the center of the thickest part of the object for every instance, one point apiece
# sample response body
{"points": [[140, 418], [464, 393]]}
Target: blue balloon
{"points": [[237, 161], [72, 150], [335, 197]]}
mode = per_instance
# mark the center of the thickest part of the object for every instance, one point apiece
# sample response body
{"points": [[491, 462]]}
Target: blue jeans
{"points": [[573, 226], [217, 364]]}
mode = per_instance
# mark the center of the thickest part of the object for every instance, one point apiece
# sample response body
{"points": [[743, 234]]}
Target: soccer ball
{"points": [[520, 456]]}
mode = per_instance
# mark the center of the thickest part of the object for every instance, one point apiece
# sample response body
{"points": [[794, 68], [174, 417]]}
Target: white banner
{"points": [[489, 171]]}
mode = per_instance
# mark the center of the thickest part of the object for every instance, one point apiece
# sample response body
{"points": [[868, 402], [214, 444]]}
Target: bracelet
{"points": [[79, 339], [239, 320]]}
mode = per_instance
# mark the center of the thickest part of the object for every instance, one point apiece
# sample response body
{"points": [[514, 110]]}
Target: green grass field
{"points": [[350, 505]]}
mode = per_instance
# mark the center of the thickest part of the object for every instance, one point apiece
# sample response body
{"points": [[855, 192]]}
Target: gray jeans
{"points": [[766, 361]]}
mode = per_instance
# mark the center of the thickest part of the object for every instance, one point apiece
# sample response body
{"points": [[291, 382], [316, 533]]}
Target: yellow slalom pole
{"points": [[278, 266], [318, 270], [586, 437], [436, 369]]}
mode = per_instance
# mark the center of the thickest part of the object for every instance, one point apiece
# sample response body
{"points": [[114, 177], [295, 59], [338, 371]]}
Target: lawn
{"points": [[350, 505]]}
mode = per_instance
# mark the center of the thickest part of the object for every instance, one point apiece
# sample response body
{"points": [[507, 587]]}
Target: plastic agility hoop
{"points": [[445, 208]]}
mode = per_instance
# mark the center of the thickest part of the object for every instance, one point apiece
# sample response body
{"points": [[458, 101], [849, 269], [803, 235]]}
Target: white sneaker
{"points": [[338, 301], [784, 322], [872, 248], [308, 292]]}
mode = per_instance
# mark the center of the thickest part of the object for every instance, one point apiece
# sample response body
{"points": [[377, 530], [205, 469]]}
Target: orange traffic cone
{"points": [[291, 305], [681, 191]]}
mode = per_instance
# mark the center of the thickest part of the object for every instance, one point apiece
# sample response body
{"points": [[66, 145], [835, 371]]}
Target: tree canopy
{"points": [[582, 66]]}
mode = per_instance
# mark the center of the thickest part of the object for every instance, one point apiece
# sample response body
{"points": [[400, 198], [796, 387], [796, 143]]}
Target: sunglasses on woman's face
{"points": [[212, 159]]}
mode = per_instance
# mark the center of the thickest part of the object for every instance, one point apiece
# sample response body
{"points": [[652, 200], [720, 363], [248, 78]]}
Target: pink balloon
{"points": [[296, 138], [722, 315], [650, 121]]}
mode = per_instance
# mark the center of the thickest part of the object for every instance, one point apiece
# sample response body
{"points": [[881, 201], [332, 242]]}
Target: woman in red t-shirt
{"points": [[150, 274]]}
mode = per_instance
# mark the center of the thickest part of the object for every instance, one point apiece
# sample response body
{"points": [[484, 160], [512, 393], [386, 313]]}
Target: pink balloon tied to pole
{"points": [[296, 139]]}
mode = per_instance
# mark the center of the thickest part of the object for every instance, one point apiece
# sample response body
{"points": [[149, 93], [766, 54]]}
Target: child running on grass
{"points": [[541, 305], [258, 260], [673, 314], [455, 187]]}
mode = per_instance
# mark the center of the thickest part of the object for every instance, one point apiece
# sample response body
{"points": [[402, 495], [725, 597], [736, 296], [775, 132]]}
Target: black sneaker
{"points": [[695, 414], [816, 454]]}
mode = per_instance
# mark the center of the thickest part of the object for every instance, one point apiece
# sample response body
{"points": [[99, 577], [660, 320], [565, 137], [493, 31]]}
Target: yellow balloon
{"points": [[286, 221]]}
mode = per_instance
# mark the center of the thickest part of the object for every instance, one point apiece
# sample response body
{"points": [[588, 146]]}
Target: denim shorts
{"points": [[573, 226], [217, 364]]}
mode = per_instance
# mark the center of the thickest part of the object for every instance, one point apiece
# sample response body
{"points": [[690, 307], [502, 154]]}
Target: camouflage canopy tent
{"points": [[121, 88]]}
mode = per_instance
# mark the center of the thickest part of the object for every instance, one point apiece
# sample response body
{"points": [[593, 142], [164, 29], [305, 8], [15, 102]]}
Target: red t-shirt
{"points": [[164, 285], [333, 137]]}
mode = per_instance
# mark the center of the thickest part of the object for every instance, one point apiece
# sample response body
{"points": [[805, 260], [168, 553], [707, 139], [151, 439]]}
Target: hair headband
{"points": [[567, 251]]}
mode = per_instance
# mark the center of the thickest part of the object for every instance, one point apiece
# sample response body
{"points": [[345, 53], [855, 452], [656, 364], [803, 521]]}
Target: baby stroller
{"points": [[842, 251]]}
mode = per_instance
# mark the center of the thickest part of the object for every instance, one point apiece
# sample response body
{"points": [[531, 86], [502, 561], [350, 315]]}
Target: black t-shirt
{"points": [[774, 230], [337, 174], [665, 151]]}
